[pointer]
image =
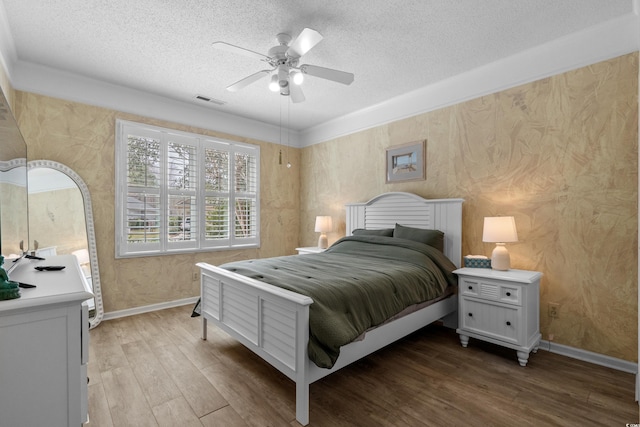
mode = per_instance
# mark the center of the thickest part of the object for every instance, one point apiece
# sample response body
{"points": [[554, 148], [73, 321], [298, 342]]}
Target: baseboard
{"points": [[148, 308], [589, 356]]}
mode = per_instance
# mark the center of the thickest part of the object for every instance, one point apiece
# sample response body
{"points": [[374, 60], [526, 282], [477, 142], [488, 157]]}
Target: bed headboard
{"points": [[387, 209]]}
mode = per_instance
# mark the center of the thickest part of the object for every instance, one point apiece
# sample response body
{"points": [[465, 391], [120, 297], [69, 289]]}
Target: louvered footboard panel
{"points": [[279, 332], [210, 302], [270, 321], [239, 309]]}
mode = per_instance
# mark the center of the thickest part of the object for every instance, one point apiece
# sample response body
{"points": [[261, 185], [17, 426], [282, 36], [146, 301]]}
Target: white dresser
{"points": [[44, 347], [501, 307]]}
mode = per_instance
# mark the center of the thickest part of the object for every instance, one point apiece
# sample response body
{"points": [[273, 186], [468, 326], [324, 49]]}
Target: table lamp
{"points": [[500, 230], [323, 225]]}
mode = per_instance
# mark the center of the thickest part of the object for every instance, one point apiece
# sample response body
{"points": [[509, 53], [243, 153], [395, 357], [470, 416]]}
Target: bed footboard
{"points": [[270, 321], [274, 324]]}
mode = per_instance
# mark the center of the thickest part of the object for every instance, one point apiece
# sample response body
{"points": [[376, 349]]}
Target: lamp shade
{"points": [[499, 229], [323, 224]]}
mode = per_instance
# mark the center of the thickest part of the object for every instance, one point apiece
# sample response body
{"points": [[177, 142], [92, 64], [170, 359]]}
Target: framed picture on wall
{"points": [[406, 162]]}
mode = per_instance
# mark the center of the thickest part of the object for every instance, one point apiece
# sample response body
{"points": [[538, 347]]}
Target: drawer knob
{"points": [[508, 323], [470, 288], [508, 294], [470, 314]]}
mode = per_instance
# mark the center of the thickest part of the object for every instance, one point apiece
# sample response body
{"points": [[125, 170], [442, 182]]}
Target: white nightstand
{"points": [[310, 250], [501, 307]]}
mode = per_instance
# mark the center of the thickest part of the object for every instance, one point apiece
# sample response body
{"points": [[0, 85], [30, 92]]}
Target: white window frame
{"points": [[124, 249]]}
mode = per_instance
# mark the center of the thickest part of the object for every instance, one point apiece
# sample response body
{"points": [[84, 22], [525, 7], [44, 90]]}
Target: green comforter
{"points": [[358, 283]]}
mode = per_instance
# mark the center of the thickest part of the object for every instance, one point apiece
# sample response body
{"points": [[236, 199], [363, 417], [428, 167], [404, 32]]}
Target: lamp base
{"points": [[323, 243], [500, 259]]}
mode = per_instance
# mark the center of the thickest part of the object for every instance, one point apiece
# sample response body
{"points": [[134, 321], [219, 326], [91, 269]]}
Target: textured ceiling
{"points": [[392, 46]]}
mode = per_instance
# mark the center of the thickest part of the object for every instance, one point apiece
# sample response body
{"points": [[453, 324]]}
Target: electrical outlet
{"points": [[194, 276], [554, 309]]}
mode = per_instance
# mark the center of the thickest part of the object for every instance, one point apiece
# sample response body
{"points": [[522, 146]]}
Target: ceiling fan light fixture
{"points": [[274, 85], [297, 77]]}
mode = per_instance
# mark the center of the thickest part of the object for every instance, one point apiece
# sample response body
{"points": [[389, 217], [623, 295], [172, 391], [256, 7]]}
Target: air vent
{"points": [[211, 100]]}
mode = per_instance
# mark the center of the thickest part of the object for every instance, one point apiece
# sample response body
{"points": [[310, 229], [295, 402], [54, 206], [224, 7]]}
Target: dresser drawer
{"points": [[490, 290], [496, 321]]}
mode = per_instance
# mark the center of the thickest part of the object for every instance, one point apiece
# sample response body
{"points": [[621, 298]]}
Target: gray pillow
{"points": [[433, 238], [388, 232]]}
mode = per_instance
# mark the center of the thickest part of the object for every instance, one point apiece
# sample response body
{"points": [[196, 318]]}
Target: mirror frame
{"points": [[13, 163], [91, 235]]}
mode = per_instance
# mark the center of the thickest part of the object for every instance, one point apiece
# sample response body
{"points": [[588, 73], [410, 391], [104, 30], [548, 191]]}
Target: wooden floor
{"points": [[154, 370]]}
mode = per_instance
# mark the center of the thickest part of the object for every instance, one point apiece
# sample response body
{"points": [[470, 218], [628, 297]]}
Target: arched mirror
{"points": [[61, 222]]}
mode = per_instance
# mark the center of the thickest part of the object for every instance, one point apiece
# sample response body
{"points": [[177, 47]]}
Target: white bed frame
{"points": [[274, 322]]}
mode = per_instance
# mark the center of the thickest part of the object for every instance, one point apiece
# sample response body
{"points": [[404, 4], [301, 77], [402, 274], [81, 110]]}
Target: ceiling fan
{"points": [[283, 60]]}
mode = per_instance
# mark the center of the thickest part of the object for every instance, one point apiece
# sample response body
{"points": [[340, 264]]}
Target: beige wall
{"points": [[83, 137], [560, 154]]}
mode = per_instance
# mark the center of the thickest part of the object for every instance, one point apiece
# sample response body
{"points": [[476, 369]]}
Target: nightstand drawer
{"points": [[468, 286], [510, 294], [490, 290], [491, 320]]}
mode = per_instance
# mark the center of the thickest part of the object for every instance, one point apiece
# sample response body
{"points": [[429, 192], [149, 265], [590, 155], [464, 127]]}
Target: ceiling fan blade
{"points": [[328, 73], [306, 40], [239, 50], [296, 94], [248, 80]]}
